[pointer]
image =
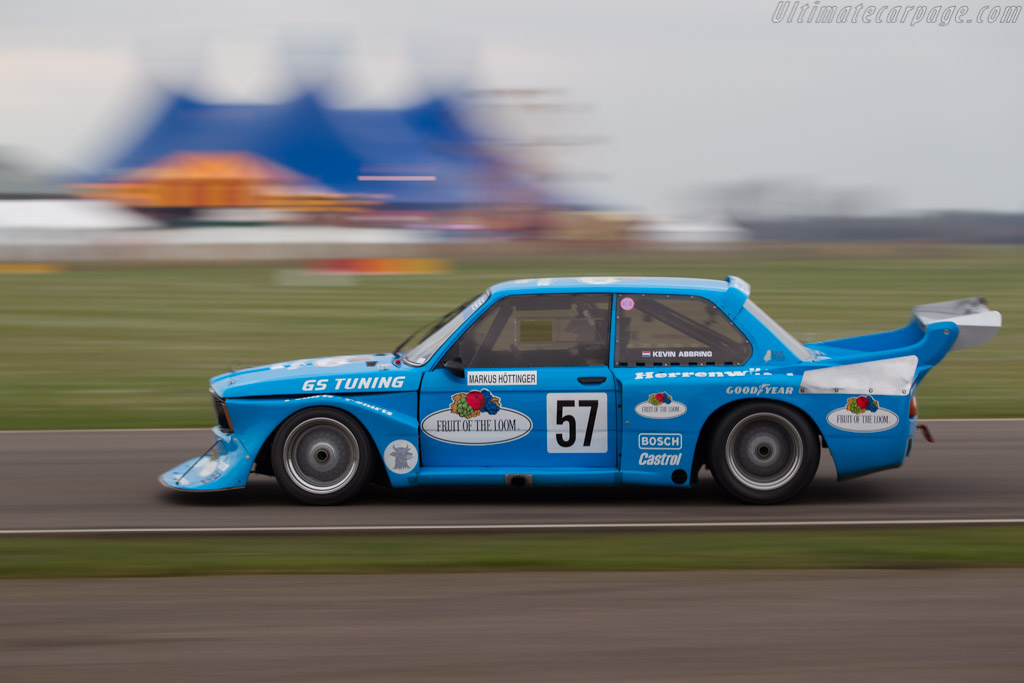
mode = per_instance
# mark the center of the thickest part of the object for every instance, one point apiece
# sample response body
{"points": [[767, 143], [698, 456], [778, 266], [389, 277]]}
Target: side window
{"points": [[663, 329], [538, 330]]}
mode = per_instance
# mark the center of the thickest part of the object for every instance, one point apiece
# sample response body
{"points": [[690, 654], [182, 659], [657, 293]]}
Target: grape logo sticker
{"points": [[476, 418], [860, 404], [401, 457], [469, 405], [660, 406], [862, 414]]}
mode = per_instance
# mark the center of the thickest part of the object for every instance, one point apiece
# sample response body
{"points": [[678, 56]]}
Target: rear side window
{"points": [[538, 330], [663, 329]]}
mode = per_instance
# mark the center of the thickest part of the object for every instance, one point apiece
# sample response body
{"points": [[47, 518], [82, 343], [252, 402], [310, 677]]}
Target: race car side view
{"points": [[586, 381]]}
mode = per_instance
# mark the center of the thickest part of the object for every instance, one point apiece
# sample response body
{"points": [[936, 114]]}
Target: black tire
{"points": [[764, 452], [322, 456]]}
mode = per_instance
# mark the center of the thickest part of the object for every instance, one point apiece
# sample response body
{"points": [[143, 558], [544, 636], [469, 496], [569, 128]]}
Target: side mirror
{"points": [[455, 366]]}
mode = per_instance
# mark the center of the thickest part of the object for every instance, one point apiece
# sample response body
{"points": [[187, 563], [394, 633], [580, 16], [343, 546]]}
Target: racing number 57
{"points": [[561, 416], [577, 423]]}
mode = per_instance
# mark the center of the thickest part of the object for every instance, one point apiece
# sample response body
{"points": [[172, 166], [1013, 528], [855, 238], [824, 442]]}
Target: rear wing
{"points": [[977, 323], [894, 362]]}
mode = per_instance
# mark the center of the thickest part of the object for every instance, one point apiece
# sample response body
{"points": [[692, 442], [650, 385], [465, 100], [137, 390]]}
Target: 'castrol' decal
{"points": [[862, 414], [658, 459], [476, 418]]}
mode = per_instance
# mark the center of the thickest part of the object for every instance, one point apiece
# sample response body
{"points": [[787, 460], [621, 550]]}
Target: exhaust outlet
{"points": [[519, 481]]}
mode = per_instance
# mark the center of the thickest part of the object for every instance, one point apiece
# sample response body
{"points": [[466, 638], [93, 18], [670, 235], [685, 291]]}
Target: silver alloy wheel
{"points": [[764, 451], [321, 455]]}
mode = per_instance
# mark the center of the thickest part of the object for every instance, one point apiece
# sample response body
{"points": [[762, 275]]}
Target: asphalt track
{"points": [[785, 626], [103, 480], [799, 626]]}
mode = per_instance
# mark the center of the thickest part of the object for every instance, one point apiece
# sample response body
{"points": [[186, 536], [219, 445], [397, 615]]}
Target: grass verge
{"points": [[134, 347], [93, 557]]}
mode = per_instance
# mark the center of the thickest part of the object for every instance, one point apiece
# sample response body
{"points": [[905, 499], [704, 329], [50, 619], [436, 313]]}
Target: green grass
{"points": [[134, 347], [177, 556]]}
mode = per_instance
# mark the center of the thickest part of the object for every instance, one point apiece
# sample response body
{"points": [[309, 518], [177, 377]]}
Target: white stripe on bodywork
{"points": [[889, 377]]}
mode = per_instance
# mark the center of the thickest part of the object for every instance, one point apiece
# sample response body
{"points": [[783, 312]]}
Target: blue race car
{"points": [[586, 381]]}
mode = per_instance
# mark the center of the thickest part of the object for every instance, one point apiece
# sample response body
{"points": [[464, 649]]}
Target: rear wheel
{"points": [[764, 452], [321, 456]]}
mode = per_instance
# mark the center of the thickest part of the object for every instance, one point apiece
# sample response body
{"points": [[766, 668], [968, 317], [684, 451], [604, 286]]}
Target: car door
{"points": [[673, 355], [535, 389]]}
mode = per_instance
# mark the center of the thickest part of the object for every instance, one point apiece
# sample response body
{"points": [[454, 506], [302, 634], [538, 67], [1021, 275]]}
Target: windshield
{"points": [[437, 332], [801, 351]]}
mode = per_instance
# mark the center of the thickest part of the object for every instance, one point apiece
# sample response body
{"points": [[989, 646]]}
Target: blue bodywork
{"points": [[649, 423]]}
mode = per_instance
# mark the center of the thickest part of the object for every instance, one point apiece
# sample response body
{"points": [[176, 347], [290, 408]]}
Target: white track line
{"points": [[785, 524]]}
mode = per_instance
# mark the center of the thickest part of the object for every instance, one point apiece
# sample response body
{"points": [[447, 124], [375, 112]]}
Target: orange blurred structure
{"points": [[220, 180]]}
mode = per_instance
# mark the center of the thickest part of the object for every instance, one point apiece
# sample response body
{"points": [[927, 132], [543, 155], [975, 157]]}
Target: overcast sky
{"points": [[684, 95]]}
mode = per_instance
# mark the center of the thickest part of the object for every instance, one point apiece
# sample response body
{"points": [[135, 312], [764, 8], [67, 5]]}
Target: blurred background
{"points": [[191, 186]]}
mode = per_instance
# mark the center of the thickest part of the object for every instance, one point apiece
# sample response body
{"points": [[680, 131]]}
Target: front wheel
{"points": [[764, 452], [321, 456]]}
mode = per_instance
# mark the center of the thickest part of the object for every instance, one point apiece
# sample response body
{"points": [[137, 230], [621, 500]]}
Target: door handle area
{"points": [[591, 380]]}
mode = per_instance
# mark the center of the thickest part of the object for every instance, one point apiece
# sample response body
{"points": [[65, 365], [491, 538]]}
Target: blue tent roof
{"points": [[336, 147]]}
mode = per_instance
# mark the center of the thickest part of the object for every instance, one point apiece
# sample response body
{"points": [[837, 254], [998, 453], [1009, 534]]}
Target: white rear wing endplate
{"points": [[977, 322]]}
